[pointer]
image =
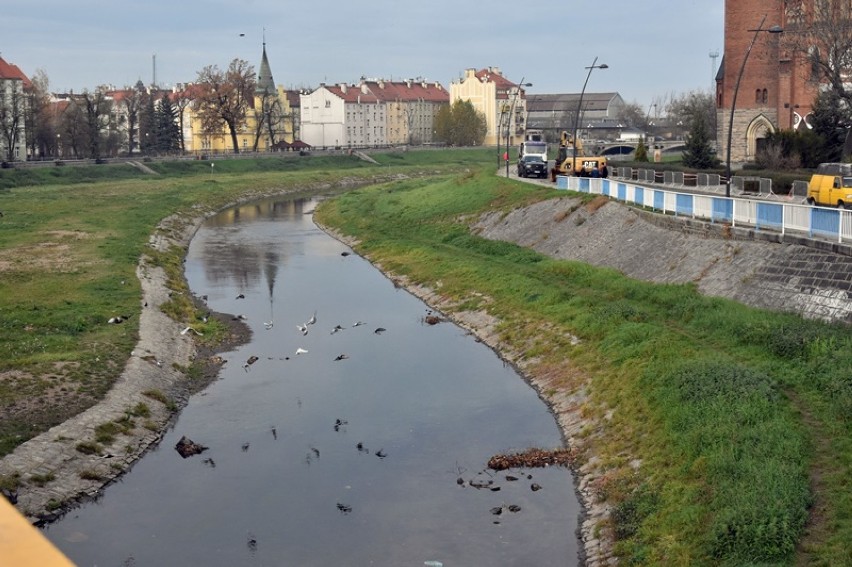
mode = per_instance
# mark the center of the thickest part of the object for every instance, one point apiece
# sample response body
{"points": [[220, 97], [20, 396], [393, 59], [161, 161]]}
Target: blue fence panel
{"points": [[660, 200], [561, 182], [683, 204], [723, 209], [605, 187], [638, 193], [621, 188], [770, 215], [584, 184], [825, 222]]}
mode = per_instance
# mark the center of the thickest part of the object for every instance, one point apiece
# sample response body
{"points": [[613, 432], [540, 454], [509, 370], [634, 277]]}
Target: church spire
{"points": [[265, 83]]}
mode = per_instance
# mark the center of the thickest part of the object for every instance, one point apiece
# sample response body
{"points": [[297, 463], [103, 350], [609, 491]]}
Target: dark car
{"points": [[532, 166]]}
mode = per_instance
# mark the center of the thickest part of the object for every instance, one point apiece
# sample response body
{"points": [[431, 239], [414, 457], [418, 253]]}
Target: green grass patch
{"points": [[89, 447], [42, 479]]}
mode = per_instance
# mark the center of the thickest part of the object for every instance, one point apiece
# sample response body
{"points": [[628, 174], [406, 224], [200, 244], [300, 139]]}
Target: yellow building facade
{"points": [[502, 102]]}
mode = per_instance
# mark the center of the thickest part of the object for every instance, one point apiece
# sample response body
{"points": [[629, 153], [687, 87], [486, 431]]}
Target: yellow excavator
{"points": [[569, 164]]}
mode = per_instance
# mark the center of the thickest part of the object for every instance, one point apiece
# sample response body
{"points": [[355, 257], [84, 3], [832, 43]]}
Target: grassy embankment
{"points": [[70, 241], [735, 413]]}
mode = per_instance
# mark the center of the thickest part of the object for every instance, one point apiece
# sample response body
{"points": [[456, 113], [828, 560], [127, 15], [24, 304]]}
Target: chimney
{"points": [[343, 87]]}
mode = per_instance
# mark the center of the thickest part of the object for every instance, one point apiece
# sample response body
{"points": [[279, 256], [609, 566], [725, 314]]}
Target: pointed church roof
{"points": [[265, 83]]}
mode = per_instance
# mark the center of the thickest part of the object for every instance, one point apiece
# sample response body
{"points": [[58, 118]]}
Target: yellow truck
{"points": [[831, 185], [569, 164]]}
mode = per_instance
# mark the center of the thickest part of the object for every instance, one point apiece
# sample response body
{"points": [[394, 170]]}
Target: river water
{"points": [[365, 450]]}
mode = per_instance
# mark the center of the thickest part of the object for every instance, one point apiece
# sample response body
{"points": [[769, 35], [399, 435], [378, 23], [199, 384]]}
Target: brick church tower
{"points": [[775, 91]]}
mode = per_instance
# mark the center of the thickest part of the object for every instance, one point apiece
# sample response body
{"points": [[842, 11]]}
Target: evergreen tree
{"points": [[641, 151], [699, 153], [168, 133], [148, 124], [830, 121]]}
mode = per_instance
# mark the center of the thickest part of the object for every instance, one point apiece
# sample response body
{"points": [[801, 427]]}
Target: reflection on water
{"points": [[366, 448]]}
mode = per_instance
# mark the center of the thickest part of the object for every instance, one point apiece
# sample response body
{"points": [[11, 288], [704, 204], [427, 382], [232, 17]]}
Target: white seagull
{"points": [[303, 329], [313, 319], [301, 350]]}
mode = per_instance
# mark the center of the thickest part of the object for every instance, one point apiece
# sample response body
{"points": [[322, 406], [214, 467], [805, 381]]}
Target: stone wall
{"points": [[761, 269]]}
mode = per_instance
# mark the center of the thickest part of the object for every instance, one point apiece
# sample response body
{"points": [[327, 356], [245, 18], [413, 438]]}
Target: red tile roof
{"points": [[390, 91], [504, 85], [9, 71], [376, 91], [352, 93]]}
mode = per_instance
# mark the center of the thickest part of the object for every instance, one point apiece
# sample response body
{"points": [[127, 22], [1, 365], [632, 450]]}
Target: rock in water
{"points": [[187, 447]]}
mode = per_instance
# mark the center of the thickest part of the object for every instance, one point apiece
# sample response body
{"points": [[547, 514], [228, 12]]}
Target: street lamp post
{"points": [[579, 109], [760, 28], [509, 119]]}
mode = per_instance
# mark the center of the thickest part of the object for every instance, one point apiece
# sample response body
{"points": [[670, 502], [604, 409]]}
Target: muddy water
{"points": [[365, 450]]}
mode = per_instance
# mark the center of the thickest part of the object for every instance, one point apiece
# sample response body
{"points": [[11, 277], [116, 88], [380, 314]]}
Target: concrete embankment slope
{"points": [[810, 278]]}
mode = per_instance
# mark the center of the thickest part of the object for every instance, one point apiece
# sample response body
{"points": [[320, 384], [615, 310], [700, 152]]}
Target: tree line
{"points": [[136, 119]]}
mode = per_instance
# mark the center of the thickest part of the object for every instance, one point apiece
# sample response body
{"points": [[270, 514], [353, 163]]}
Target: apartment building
{"points": [[372, 113]]}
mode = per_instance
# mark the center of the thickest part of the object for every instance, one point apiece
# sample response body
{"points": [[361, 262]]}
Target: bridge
{"points": [[625, 149]]}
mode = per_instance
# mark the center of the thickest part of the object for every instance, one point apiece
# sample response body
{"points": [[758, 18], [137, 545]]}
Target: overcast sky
{"points": [[654, 48]]}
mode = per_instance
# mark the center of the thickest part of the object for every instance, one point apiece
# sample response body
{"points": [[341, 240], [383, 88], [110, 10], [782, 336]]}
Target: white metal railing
{"points": [[813, 221]]}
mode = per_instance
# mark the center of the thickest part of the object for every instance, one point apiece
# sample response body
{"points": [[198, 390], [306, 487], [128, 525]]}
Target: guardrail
{"points": [[713, 182], [814, 221]]}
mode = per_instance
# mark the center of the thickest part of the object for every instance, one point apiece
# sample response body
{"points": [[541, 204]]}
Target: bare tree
{"points": [[819, 32], [132, 102], [182, 100], [96, 114], [12, 106], [225, 97], [268, 117], [40, 121], [686, 108], [72, 125], [632, 115]]}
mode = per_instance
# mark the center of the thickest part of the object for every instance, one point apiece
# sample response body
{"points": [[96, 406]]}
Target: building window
{"points": [[328, 104]]}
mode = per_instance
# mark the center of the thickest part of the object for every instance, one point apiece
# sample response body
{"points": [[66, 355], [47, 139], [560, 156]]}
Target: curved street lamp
{"points": [[760, 28], [509, 120], [580, 107]]}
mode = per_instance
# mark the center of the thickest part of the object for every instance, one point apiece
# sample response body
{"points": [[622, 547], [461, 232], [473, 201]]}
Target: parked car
{"points": [[532, 166]]}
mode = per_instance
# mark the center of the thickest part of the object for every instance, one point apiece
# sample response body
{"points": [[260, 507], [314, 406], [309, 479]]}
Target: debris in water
{"points": [[187, 447], [532, 458]]}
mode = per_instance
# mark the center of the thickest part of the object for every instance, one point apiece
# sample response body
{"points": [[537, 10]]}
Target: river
{"points": [[370, 448]]}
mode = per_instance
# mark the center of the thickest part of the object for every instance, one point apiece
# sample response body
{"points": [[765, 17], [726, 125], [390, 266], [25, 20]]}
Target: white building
{"points": [[13, 138], [371, 114]]}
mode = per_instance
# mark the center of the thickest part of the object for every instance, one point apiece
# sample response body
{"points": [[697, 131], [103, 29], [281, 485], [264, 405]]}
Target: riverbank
{"points": [[68, 464]]}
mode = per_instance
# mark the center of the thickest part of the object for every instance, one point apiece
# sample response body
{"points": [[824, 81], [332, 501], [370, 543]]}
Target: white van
{"points": [[533, 148]]}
